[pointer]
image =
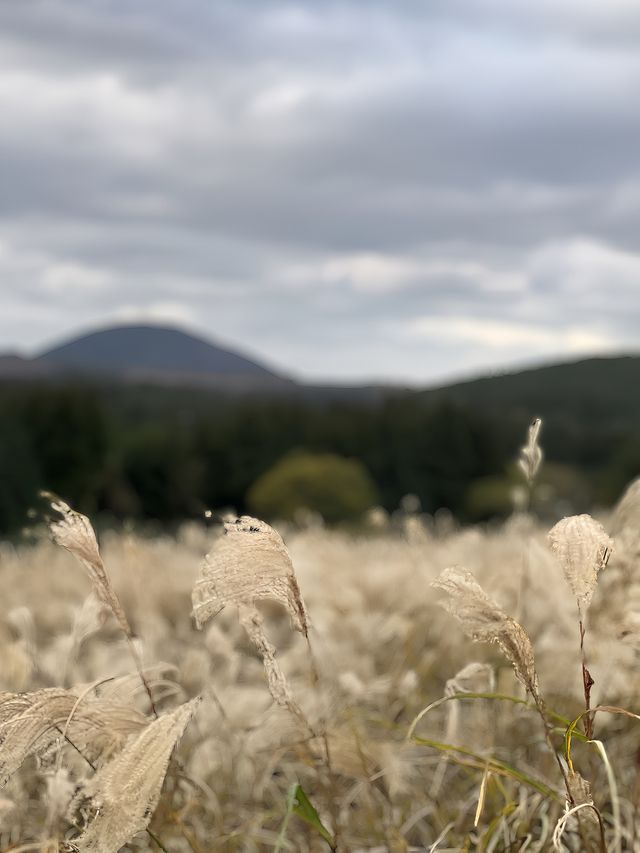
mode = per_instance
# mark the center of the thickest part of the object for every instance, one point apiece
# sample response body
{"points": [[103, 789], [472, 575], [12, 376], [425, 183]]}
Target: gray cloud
{"points": [[402, 190]]}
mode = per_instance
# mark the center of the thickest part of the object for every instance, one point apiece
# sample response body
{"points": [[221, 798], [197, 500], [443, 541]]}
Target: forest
{"points": [[159, 454]]}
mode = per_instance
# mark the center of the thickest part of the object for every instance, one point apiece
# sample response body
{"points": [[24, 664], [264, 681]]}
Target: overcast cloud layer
{"points": [[351, 190]]}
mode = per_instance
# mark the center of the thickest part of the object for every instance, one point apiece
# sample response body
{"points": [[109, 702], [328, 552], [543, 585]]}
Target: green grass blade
{"points": [[494, 765], [571, 731], [302, 807], [498, 697]]}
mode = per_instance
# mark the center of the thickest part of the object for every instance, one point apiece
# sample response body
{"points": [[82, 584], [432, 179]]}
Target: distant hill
{"points": [[140, 354], [603, 390], [13, 366], [588, 392]]}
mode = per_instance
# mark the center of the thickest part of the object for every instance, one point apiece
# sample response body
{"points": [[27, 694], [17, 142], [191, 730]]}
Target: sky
{"points": [[392, 190]]}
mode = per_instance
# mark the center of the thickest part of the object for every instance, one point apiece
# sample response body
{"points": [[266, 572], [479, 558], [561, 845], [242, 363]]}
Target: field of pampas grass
{"points": [[413, 687]]}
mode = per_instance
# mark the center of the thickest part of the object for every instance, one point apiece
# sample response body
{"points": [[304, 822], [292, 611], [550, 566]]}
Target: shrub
{"points": [[338, 489], [559, 490]]}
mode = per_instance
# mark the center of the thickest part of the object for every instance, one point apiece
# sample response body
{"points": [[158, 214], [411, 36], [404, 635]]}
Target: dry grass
{"points": [[485, 772]]}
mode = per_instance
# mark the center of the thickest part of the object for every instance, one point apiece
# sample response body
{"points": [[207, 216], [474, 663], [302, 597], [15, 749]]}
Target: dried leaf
{"points": [[124, 793], [249, 562], [484, 621], [579, 791], [582, 548]]}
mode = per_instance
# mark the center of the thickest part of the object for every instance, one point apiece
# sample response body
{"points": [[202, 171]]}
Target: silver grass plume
{"points": [[625, 527], [124, 793], [582, 549], [249, 562], [531, 452], [31, 723], [484, 621], [626, 513], [74, 532], [122, 688]]}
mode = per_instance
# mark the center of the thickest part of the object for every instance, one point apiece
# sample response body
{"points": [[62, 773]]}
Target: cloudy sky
{"points": [[362, 189]]}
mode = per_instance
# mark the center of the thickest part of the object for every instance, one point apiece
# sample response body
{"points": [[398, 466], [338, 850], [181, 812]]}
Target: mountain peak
{"points": [[154, 353]]}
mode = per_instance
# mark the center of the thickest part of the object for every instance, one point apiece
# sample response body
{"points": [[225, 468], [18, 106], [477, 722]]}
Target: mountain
{"points": [[146, 354], [599, 390]]}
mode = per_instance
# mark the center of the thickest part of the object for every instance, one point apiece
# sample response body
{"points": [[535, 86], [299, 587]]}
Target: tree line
{"points": [[120, 455]]}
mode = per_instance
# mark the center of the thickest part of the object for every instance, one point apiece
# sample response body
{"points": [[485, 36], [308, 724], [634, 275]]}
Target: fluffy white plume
{"points": [[531, 452], [483, 620], [249, 562], [74, 532], [582, 548], [124, 793], [31, 722]]}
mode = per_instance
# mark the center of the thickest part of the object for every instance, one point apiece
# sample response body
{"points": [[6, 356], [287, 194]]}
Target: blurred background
{"points": [[293, 258]]}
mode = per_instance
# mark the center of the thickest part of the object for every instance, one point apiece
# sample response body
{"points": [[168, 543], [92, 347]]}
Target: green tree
{"points": [[624, 466], [163, 474], [339, 489], [68, 429], [19, 475]]}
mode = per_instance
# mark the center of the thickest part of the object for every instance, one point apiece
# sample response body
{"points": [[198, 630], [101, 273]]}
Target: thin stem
{"points": [[218, 703], [525, 571], [143, 679], [315, 681], [548, 730], [587, 684]]}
